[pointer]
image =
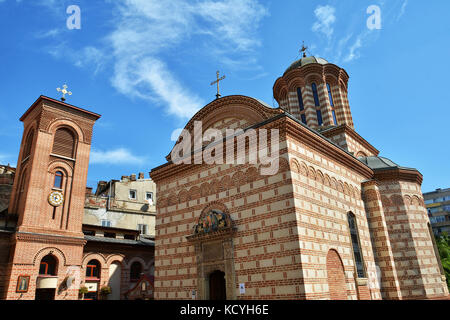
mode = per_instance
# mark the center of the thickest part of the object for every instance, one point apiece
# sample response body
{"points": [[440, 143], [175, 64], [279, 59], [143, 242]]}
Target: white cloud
{"points": [[402, 9], [117, 156], [145, 30], [326, 19], [353, 51]]}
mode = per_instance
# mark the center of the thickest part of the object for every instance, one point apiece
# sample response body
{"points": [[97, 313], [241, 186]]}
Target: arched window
{"points": [[28, 145], [317, 103], [301, 105], [357, 254], [93, 269], [333, 111], [135, 271], [64, 143], [58, 180], [315, 94], [48, 266], [300, 99]]}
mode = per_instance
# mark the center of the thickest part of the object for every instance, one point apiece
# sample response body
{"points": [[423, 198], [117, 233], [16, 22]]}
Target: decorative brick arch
{"points": [[94, 256], [133, 260], [336, 276], [115, 258], [60, 165], [57, 253], [67, 123]]}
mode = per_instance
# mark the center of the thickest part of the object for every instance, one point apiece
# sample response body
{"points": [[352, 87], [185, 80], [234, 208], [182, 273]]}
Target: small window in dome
{"points": [[304, 118], [319, 117], [315, 94], [300, 99]]}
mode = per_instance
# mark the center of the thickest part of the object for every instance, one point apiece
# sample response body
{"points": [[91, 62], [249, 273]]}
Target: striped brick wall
{"points": [[406, 216], [325, 193]]}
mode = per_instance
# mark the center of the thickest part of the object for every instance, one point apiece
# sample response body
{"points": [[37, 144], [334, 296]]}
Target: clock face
{"points": [[56, 198]]}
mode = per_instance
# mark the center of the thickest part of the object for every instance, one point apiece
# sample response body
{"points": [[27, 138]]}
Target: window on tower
{"points": [[333, 111], [303, 118], [28, 145], [64, 143], [58, 180], [319, 117], [300, 99], [315, 94]]}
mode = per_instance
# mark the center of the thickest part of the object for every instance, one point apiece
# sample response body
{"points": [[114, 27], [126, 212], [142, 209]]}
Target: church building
{"points": [[336, 221]]}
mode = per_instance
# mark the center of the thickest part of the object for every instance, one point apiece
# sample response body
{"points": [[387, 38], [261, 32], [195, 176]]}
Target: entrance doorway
{"points": [[45, 294], [217, 286]]}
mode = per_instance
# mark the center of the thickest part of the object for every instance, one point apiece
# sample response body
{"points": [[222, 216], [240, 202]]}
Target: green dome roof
{"points": [[306, 60]]}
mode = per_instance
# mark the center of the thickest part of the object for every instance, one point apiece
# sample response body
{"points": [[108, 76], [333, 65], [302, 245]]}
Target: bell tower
{"points": [[49, 191], [314, 92]]}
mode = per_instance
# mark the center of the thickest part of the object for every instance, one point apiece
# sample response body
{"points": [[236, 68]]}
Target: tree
{"points": [[443, 244]]}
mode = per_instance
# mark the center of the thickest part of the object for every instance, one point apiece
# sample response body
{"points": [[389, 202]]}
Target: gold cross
{"points": [[303, 50], [64, 92], [217, 82]]}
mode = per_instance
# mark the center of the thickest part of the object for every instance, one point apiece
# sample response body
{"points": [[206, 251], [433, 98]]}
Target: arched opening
{"points": [[217, 286], [28, 145], [115, 276], [58, 182], [48, 266], [93, 270], [135, 271], [336, 276], [47, 281], [93, 274], [64, 143]]}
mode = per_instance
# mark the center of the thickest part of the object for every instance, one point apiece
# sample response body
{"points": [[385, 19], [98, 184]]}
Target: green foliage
{"points": [[104, 291], [443, 244], [83, 290]]}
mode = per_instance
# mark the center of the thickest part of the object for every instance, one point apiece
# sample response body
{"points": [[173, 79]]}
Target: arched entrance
{"points": [[217, 286], [336, 276], [47, 280], [115, 276]]}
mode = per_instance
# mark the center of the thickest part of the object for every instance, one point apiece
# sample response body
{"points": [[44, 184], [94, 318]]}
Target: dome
{"points": [[306, 60]]}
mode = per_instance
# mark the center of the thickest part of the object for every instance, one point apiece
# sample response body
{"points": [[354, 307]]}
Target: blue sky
{"points": [[146, 66]]}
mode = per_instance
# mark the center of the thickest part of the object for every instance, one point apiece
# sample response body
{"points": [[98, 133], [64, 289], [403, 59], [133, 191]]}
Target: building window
{"points": [[149, 196], [106, 223], [129, 237], [109, 235], [28, 145], [135, 271], [303, 118], [93, 269], [133, 195], [330, 96], [58, 180], [300, 99], [64, 143], [315, 94], [48, 266], [357, 254], [319, 117], [143, 228], [333, 111]]}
